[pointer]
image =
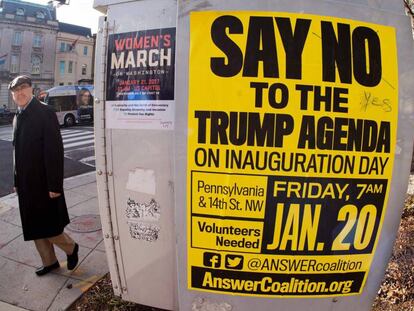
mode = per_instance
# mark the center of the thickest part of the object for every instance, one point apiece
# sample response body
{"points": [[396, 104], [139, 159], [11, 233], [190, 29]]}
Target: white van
{"points": [[72, 103]]}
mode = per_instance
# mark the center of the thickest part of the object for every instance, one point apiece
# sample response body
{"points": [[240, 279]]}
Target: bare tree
{"points": [[409, 8]]}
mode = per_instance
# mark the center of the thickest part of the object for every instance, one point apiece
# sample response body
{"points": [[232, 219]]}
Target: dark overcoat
{"points": [[38, 169]]}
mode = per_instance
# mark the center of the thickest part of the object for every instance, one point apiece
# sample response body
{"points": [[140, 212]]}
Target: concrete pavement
{"points": [[20, 288]]}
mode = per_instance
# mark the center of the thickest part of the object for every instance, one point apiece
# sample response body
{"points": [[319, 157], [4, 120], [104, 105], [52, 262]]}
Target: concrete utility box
{"points": [[257, 158]]}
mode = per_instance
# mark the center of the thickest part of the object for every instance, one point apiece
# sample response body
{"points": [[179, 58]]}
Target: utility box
{"points": [[294, 131], [252, 155], [134, 122]]}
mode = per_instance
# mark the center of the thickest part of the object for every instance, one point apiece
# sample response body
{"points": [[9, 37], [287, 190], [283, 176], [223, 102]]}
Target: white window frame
{"points": [[62, 69], [37, 40], [36, 65], [40, 15], [15, 63], [20, 12], [18, 38], [84, 70]]}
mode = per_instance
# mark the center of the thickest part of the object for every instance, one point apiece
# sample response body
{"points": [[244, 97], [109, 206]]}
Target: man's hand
{"points": [[54, 195], [15, 189]]}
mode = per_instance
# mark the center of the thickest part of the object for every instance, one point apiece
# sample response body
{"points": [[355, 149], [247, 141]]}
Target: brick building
{"points": [[74, 55], [27, 44]]}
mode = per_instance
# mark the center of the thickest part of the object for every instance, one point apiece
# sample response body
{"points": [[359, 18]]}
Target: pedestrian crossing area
{"points": [[6, 133], [75, 139], [72, 138]]}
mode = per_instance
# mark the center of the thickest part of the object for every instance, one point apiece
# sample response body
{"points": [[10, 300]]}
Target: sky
{"points": [[78, 12]]}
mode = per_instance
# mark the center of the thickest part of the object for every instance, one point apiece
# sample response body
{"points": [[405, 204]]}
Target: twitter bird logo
{"points": [[234, 262]]}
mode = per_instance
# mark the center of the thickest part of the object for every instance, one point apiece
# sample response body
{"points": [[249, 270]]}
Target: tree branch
{"points": [[408, 7]]}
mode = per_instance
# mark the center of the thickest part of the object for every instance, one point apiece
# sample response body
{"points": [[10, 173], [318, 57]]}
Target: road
{"points": [[78, 143]]}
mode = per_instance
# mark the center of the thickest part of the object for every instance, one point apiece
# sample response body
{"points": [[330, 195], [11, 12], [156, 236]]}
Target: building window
{"points": [[36, 65], [40, 15], [85, 50], [62, 67], [69, 83], [84, 67], [20, 12], [65, 47], [3, 59], [70, 66], [61, 83], [37, 40], [14, 64], [18, 38]]}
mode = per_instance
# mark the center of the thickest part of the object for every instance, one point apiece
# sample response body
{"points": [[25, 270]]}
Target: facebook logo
{"points": [[212, 260]]}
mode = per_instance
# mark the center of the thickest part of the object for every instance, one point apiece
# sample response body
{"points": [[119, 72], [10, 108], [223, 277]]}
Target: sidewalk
{"points": [[20, 288]]}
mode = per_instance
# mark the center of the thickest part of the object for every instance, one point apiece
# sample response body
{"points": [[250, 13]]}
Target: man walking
{"points": [[38, 177]]}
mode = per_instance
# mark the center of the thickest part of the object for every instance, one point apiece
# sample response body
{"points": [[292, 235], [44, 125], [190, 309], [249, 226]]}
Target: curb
{"points": [[79, 176]]}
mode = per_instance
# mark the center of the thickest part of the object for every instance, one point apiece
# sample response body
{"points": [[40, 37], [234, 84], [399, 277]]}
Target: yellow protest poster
{"points": [[292, 124]]}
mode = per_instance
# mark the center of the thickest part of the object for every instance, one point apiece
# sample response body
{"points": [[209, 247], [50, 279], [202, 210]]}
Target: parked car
{"points": [[6, 116]]}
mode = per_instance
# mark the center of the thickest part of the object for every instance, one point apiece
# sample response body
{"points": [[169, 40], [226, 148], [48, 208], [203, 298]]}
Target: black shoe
{"points": [[46, 269], [73, 259]]}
